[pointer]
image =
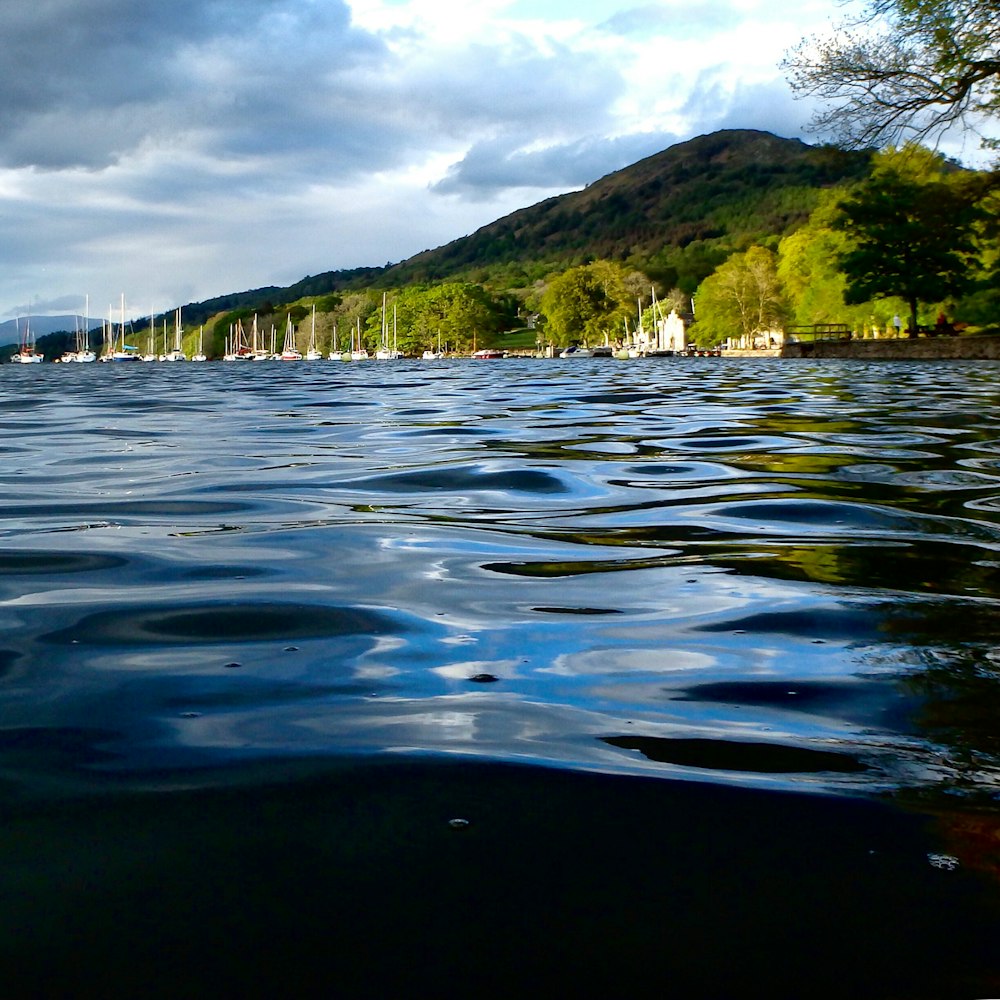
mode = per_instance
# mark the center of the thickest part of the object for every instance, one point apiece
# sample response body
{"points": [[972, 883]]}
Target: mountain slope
{"points": [[701, 199], [735, 185]]}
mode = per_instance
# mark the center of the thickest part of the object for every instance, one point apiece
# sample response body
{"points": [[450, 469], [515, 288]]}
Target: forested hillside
{"points": [[675, 214], [749, 221]]}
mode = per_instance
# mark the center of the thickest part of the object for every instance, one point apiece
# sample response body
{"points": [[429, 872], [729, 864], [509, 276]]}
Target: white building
{"points": [[670, 334]]}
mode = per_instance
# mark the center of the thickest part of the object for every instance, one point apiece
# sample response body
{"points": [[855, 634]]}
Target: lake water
{"points": [[518, 582]]}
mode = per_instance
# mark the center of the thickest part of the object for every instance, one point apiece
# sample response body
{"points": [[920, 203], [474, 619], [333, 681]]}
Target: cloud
{"points": [[84, 83], [493, 165], [675, 23], [185, 149]]}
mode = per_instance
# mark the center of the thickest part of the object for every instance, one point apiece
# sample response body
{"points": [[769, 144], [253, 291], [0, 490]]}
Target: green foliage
{"points": [[328, 303], [904, 68], [461, 313], [587, 303], [914, 236], [812, 282], [742, 297]]}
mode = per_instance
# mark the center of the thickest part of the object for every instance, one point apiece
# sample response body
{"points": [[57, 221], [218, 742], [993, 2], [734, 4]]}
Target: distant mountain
{"points": [[40, 325], [704, 198]]}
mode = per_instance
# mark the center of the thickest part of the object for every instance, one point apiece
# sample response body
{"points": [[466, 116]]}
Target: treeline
{"points": [[915, 245], [916, 237], [756, 231]]}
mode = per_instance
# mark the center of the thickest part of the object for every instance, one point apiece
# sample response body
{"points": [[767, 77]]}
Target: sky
{"points": [[175, 150]]}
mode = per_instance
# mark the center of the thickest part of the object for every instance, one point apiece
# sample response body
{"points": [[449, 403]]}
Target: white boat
{"points": [[116, 348], [289, 352], [177, 353], [434, 355], [358, 353], [150, 354], [69, 357], [385, 352], [84, 354], [200, 354], [313, 353], [26, 353], [574, 351], [258, 349], [237, 348]]}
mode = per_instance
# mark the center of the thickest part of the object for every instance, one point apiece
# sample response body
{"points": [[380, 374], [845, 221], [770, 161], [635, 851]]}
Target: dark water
{"points": [[240, 603]]}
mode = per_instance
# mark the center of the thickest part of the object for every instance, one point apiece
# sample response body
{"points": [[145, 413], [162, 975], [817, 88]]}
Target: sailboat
{"points": [[200, 354], [120, 351], [237, 348], [150, 354], [313, 353], [385, 352], [434, 355], [84, 354], [289, 352], [257, 349], [26, 353], [177, 354], [358, 353], [69, 357], [334, 354]]}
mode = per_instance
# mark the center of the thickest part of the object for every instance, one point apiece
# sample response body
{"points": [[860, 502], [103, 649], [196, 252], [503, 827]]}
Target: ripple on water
{"points": [[464, 480], [18, 562], [222, 623], [705, 549], [734, 755]]}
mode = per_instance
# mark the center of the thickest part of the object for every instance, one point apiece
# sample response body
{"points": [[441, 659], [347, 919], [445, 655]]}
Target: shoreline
{"points": [[970, 348]]}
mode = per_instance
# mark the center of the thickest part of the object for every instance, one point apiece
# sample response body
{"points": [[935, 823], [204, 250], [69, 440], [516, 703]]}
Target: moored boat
{"points": [[26, 353], [313, 353], [176, 353], [289, 352], [200, 354]]}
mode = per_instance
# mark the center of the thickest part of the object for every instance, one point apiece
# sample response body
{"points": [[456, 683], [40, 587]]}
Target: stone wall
{"points": [[929, 348]]}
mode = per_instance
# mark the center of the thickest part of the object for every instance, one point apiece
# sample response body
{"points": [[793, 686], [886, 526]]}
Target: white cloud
{"points": [[186, 150]]}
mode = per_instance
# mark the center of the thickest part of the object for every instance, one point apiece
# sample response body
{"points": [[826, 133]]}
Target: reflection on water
{"points": [[775, 573]]}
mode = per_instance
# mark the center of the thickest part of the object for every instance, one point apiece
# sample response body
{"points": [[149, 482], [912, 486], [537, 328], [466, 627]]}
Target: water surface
{"points": [[675, 677]]}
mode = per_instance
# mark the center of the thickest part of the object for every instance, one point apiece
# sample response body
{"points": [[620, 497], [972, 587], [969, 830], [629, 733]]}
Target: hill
{"points": [[40, 325], [675, 215], [721, 191]]}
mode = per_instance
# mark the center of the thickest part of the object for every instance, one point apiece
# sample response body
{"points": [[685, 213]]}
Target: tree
{"points": [[904, 69], [808, 266], [912, 238], [462, 313], [588, 302], [743, 296]]}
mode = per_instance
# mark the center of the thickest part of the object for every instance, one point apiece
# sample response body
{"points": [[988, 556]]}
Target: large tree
{"points": [[742, 297], [589, 302], [905, 69], [912, 237]]}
